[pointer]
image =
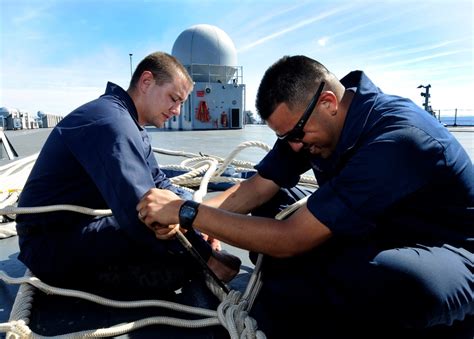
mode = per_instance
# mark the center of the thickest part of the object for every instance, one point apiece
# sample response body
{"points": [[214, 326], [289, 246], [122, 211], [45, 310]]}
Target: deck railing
{"points": [[455, 117]]}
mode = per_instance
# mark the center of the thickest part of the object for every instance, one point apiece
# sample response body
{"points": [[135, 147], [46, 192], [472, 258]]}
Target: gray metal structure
{"points": [[218, 98]]}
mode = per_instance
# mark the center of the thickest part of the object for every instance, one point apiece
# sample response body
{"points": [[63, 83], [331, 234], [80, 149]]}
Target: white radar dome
{"points": [[207, 52]]}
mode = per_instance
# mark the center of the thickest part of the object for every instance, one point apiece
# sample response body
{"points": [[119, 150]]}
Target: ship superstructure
{"points": [[218, 98]]}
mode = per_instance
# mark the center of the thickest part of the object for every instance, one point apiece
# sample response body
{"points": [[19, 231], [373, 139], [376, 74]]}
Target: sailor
{"points": [[99, 156], [384, 247]]}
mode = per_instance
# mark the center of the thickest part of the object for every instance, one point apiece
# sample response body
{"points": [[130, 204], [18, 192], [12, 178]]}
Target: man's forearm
{"points": [[244, 196]]}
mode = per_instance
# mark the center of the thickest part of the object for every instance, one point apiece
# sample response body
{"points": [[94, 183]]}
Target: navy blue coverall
{"points": [[398, 196], [99, 157]]}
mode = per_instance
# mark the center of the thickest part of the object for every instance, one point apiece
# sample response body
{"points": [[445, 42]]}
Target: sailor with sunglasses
{"points": [[384, 247]]}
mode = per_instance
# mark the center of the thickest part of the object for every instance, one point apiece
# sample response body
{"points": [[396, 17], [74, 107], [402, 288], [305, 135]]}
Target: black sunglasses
{"points": [[297, 133]]}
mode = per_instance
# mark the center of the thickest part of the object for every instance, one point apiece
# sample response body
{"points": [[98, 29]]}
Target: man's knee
{"points": [[431, 285]]}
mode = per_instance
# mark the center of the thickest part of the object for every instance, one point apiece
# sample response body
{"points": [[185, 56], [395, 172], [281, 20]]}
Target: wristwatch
{"points": [[187, 213]]}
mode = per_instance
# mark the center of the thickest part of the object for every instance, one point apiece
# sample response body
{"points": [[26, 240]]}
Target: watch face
{"points": [[187, 214], [188, 211]]}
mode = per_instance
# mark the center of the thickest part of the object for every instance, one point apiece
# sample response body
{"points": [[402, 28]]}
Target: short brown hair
{"points": [[163, 66]]}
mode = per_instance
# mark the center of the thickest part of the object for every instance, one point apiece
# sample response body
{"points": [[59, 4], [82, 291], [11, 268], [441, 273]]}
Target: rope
{"points": [[18, 328], [191, 166], [53, 208], [7, 230], [240, 147], [226, 314], [13, 175], [232, 312]]}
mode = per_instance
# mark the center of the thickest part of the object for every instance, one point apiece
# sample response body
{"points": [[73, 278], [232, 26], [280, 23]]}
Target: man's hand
{"points": [[158, 211], [159, 206], [165, 232], [215, 244]]}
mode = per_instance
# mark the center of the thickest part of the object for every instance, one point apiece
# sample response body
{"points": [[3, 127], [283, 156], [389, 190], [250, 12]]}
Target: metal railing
{"points": [[455, 117]]}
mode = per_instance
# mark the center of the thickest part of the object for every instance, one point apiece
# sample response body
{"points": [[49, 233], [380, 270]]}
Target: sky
{"points": [[56, 55]]}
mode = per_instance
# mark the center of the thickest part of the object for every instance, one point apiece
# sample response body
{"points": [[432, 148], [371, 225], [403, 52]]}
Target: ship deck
{"points": [[54, 315]]}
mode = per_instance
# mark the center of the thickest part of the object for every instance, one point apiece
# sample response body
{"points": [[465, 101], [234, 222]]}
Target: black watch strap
{"points": [[187, 213]]}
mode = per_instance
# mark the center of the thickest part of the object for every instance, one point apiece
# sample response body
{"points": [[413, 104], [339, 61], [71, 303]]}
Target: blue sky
{"points": [[59, 54]]}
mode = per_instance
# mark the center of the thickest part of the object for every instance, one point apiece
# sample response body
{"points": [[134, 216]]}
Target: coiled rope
{"points": [[12, 179], [239, 166], [232, 312]]}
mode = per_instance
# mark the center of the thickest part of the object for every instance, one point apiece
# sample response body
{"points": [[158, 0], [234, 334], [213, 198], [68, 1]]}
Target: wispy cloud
{"points": [[422, 58], [25, 12], [294, 27], [253, 22], [401, 50], [26, 16], [57, 54], [62, 87], [368, 22]]}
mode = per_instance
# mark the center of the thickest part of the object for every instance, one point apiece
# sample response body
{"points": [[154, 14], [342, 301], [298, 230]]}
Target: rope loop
{"points": [[18, 329]]}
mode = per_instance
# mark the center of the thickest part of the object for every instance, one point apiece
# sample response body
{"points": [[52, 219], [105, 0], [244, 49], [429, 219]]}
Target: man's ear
{"points": [[145, 80], [329, 101]]}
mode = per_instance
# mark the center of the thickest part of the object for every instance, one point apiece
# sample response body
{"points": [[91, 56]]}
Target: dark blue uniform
{"points": [[398, 195], [99, 157]]}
